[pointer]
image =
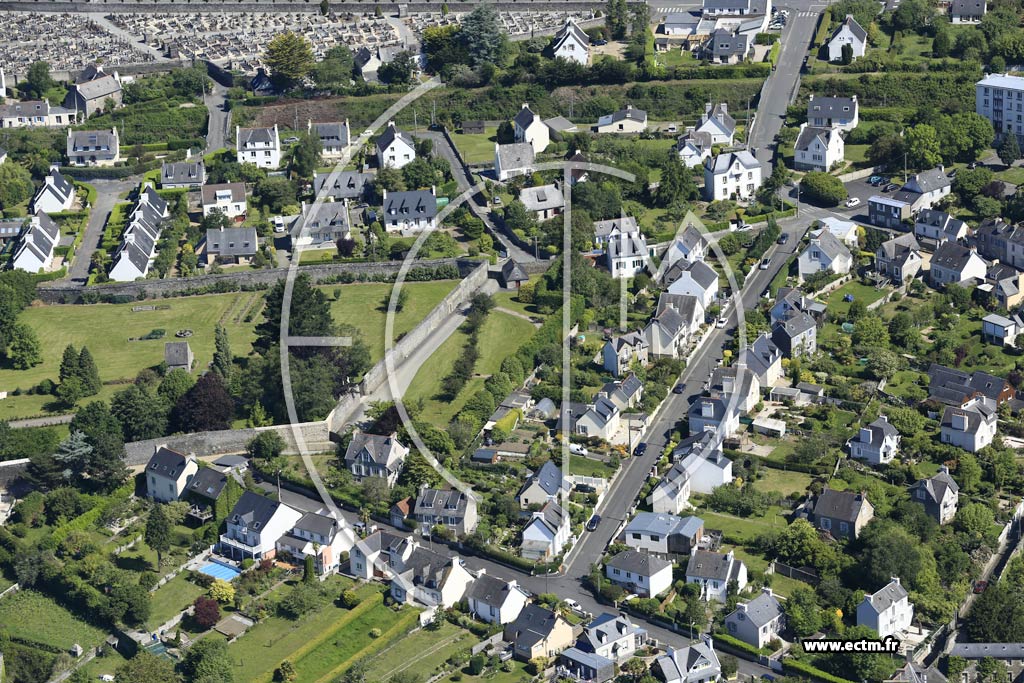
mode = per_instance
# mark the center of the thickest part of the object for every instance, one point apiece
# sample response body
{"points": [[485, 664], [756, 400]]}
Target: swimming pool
{"points": [[219, 571]]}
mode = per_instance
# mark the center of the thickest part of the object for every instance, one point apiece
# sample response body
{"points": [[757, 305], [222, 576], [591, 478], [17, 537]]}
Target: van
{"points": [[577, 449]]}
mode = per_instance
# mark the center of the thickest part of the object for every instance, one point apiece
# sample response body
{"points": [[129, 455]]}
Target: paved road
{"points": [[778, 90], [220, 118], [108, 193], [41, 421]]}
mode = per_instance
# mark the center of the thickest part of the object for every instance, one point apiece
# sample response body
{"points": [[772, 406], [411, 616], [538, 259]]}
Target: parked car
{"points": [[278, 224], [678, 389], [722, 322], [640, 449], [673, 128], [852, 202], [593, 523], [291, 140], [577, 449], [765, 263], [890, 187], [783, 238], [973, 165], [585, 488], [952, 174], [600, 41], [876, 180], [980, 586], [574, 606]]}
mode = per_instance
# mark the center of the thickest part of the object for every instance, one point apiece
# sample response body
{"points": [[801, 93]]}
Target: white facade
{"points": [[649, 582], [877, 443], [572, 44], [692, 281], [626, 254], [713, 572], [57, 194], [395, 148], [450, 591], [38, 243], [850, 33], [228, 199], [732, 175], [707, 471], [499, 607], [244, 540], [259, 146], [971, 428], [529, 127], [1000, 99], [820, 149], [824, 253], [888, 612]]}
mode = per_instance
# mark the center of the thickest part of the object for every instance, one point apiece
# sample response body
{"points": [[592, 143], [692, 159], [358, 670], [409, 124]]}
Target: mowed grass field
{"points": [[476, 148], [423, 652], [502, 334], [363, 306], [36, 617]]}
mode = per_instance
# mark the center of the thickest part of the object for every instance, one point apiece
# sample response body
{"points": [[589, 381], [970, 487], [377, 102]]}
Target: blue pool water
{"points": [[219, 571]]}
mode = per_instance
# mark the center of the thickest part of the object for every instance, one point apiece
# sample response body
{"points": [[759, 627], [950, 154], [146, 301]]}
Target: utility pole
{"points": [[904, 168]]}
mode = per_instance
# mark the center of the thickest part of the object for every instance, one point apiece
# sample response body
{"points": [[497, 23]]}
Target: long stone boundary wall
{"points": [[224, 442], [282, 6], [58, 292]]}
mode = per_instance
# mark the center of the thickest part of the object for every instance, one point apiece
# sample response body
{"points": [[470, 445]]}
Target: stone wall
{"points": [[287, 6], [57, 291], [227, 441]]}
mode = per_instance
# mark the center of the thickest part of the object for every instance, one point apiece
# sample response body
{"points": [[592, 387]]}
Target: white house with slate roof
{"points": [[757, 622], [718, 123], [899, 259], [231, 245], [546, 533], [678, 316], [260, 146], [544, 201], [334, 136], [347, 185], [227, 198], [453, 509], [317, 536], [795, 334], [972, 427], [849, 33], [640, 573], [374, 455], [613, 637], [696, 663], [939, 495], [35, 113], [528, 127], [764, 359], [696, 279], [833, 112], [168, 474], [707, 468], [732, 175], [694, 148], [542, 486], [93, 147], [621, 352], [190, 173], [410, 212], [713, 572], [254, 526], [737, 385], [998, 329], [932, 185], [572, 44], [672, 492], [888, 611], [955, 264], [395, 148], [57, 194], [939, 226], [726, 47], [689, 246], [602, 420], [626, 254], [627, 120], [824, 253], [140, 237], [605, 230], [430, 578], [877, 442], [663, 534], [967, 11], [325, 223], [818, 149], [38, 242], [513, 160], [495, 601]]}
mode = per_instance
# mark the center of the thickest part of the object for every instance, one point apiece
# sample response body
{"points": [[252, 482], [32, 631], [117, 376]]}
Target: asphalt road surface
{"points": [[108, 193]]}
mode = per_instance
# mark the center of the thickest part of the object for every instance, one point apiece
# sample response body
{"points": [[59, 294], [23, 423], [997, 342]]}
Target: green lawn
{"points": [[860, 292], [588, 467], [676, 58], [363, 306], [476, 148], [170, 598], [785, 482], [106, 329], [423, 652], [317, 256], [499, 338], [1013, 175], [510, 300], [743, 530], [36, 617]]}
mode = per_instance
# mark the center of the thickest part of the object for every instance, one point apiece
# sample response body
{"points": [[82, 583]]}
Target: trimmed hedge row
{"points": [[731, 641], [89, 517], [800, 667]]}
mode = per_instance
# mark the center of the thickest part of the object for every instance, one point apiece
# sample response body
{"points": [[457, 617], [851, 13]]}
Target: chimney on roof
{"points": [[943, 469], [959, 421], [895, 579]]}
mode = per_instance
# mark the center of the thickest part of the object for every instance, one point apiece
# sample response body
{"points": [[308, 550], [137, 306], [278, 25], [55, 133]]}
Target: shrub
{"points": [[206, 611], [823, 188], [375, 633], [476, 665]]}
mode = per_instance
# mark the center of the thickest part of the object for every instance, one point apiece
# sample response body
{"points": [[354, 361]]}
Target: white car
{"points": [[278, 224], [765, 263], [852, 202], [573, 606], [577, 449], [722, 322]]}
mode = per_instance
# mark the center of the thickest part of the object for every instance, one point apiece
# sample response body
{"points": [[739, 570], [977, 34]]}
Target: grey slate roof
{"points": [[392, 133], [92, 139], [627, 113], [830, 245], [98, 88], [841, 505], [331, 133], [967, 8], [884, 598], [381, 449], [809, 134], [317, 524], [762, 610], [208, 483], [951, 256], [899, 249], [760, 355], [411, 204], [662, 524], [183, 172], [831, 107], [232, 241], [721, 163], [167, 462], [254, 510], [937, 486], [348, 184], [253, 136], [880, 429], [626, 224], [1002, 651], [638, 563], [915, 673], [450, 503], [548, 477], [524, 117], [931, 180], [727, 44], [208, 193], [794, 324], [490, 590], [513, 272], [542, 197], [705, 564], [177, 353], [516, 155], [855, 28], [533, 625]]}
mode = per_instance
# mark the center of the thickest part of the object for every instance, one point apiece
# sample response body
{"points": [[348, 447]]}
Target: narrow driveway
{"points": [[41, 421], [219, 118], [108, 193]]}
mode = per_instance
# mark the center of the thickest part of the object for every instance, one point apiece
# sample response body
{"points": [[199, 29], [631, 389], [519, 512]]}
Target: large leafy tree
{"points": [[208, 661], [1009, 150], [335, 70], [147, 668], [923, 147], [37, 80], [15, 185], [289, 57], [24, 350], [306, 155], [483, 37], [803, 614], [158, 533], [207, 406], [141, 414]]}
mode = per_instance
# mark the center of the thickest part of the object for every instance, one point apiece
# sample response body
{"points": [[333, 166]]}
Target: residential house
{"points": [[849, 33], [677, 317], [395, 148], [696, 279], [957, 388], [690, 245], [139, 240], [528, 127], [94, 93], [846, 232], [620, 353], [189, 174], [604, 231], [512, 275], [724, 8], [496, 601], [818, 149], [613, 637], [764, 359], [790, 300], [737, 385], [663, 534], [843, 514], [35, 114], [887, 611], [227, 198], [932, 185], [972, 427], [672, 492], [899, 259], [713, 572], [178, 356], [430, 578], [345, 185], [640, 573], [627, 254], [833, 112], [1006, 285], [543, 485], [410, 212], [538, 632], [325, 222], [562, 125], [231, 245], [718, 123], [1000, 241], [1010, 654], [571, 43], [998, 329], [954, 264], [602, 420], [39, 240], [254, 526], [757, 622], [938, 226], [732, 175], [318, 536], [726, 47], [168, 474], [513, 160], [825, 253], [371, 557], [259, 146], [694, 148], [626, 393], [374, 455], [939, 494], [696, 663], [546, 534], [203, 491], [915, 673], [584, 666], [335, 137], [877, 442], [967, 11], [714, 415], [544, 201], [796, 334], [889, 212], [93, 147], [707, 468], [626, 120], [453, 509]]}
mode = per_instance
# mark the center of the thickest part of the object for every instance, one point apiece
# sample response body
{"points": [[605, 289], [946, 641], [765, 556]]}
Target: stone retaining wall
{"points": [[224, 442], [286, 6]]}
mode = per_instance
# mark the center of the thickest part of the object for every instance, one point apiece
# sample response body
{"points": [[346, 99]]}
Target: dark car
{"points": [[980, 586], [640, 449], [783, 238], [593, 522], [585, 488], [890, 187], [600, 41], [678, 389]]}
